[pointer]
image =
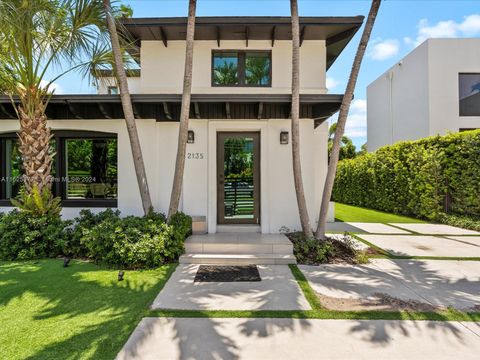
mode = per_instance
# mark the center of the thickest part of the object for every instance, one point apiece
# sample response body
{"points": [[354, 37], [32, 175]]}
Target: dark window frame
{"points": [[59, 188], [460, 114], [241, 58], [109, 90]]}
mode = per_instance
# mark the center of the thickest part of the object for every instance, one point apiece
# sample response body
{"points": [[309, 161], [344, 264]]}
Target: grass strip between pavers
{"points": [[318, 311]]}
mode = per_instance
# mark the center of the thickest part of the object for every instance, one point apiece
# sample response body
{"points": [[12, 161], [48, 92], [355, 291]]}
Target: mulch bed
{"points": [[214, 273]]}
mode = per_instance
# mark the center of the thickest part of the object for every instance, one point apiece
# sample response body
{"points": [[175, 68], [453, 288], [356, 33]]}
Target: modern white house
{"points": [[238, 167], [434, 90]]}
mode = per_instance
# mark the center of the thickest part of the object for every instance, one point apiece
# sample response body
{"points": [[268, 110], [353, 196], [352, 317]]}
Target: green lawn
{"points": [[79, 312], [351, 213]]}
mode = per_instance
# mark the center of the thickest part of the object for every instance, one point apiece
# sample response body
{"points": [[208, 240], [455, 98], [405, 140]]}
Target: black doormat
{"points": [[213, 273]]}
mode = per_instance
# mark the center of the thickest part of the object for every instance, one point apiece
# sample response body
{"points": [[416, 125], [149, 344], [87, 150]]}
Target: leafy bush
{"points": [[132, 242], [24, 236], [38, 203], [416, 177], [311, 251]]}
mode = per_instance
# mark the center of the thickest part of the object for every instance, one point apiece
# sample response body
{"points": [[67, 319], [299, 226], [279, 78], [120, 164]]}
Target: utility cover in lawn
{"points": [[213, 273]]}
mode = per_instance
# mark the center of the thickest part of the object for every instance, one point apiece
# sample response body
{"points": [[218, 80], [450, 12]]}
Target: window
{"points": [[84, 169], [113, 90], [241, 68], [469, 94]]}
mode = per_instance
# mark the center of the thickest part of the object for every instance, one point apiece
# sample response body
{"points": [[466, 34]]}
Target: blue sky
{"points": [[400, 26]]}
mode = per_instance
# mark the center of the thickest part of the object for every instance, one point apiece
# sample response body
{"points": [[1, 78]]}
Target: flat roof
{"points": [[336, 31]]}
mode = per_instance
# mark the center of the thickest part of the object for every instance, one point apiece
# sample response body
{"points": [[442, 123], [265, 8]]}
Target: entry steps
{"points": [[238, 249]]}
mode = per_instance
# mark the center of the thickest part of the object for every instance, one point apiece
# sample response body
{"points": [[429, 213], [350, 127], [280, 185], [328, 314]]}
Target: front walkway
{"points": [[278, 290], [436, 284], [180, 338]]}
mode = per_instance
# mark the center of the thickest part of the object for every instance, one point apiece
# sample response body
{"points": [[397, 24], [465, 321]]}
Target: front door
{"points": [[238, 177]]}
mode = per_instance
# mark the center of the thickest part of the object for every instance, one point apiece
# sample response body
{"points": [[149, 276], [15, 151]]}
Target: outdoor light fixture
{"points": [[284, 137], [191, 137], [66, 261], [120, 275]]}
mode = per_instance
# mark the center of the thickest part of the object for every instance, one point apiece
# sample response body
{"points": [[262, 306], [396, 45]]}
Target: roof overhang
{"points": [[166, 107], [336, 31]]}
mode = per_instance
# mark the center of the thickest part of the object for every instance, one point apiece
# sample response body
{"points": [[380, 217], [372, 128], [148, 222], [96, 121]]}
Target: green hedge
{"points": [[424, 178], [106, 237]]}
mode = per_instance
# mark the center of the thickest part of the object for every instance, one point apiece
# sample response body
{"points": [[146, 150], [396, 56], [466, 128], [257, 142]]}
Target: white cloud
{"points": [[384, 49], [54, 87], [357, 119], [332, 83], [470, 26]]}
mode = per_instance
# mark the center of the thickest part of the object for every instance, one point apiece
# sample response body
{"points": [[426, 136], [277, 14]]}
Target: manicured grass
{"points": [[351, 213], [318, 311], [79, 312]]}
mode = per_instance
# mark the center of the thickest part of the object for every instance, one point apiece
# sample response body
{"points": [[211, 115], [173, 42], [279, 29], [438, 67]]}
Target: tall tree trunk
{"points": [[128, 111], [184, 113], [34, 136], [342, 119], [297, 167]]}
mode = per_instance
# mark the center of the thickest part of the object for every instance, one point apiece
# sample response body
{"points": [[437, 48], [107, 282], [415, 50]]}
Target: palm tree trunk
{"points": [[128, 111], [342, 119], [34, 137], [297, 167], [184, 113]]}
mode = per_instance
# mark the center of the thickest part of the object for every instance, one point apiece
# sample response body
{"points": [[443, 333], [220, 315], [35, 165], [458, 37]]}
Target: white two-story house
{"points": [[238, 167]]}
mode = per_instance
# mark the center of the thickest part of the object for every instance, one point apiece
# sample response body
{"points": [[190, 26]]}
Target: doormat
{"points": [[213, 273]]}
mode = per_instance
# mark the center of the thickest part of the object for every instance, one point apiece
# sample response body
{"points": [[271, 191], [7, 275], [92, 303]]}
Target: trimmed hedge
{"points": [[426, 178]]}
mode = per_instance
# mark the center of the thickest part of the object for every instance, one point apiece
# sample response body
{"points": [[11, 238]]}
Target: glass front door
{"points": [[238, 178]]}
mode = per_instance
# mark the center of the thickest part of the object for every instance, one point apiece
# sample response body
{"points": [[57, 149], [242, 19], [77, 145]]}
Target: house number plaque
{"points": [[195, 156]]}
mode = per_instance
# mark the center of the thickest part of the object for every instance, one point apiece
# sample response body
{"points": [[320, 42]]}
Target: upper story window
{"points": [[469, 94], [241, 68], [113, 90], [84, 168]]}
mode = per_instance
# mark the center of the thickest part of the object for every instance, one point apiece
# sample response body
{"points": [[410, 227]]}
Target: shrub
{"points": [[416, 177], [132, 242], [38, 203], [311, 251], [25, 236]]}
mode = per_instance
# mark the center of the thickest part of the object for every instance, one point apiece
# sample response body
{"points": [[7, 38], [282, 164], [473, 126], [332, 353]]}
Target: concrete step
{"points": [[233, 247], [238, 259], [238, 228]]}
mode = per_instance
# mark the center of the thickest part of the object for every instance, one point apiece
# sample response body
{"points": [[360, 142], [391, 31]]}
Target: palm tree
{"points": [[38, 37], [297, 168], [342, 119], [128, 109], [184, 113]]}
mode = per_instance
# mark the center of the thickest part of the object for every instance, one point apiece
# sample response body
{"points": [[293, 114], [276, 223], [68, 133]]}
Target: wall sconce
{"points": [[284, 137], [190, 137]]}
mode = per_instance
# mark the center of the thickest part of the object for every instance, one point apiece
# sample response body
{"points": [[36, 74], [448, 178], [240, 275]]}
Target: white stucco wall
{"points": [[421, 98], [133, 85], [397, 102], [448, 58], [159, 144], [161, 66]]}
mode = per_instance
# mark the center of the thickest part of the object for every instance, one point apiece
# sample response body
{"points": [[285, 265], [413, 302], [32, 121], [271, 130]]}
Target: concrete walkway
{"points": [[436, 282], [208, 339], [278, 290], [427, 245]]}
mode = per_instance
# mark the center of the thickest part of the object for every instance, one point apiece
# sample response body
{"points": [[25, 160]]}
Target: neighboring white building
{"points": [[238, 168], [434, 90]]}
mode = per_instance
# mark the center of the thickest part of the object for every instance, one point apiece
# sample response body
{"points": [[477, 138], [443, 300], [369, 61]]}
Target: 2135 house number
{"points": [[195, 156]]}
